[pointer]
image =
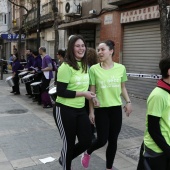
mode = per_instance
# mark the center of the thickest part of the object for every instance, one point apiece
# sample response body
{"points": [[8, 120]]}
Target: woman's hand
{"points": [[96, 102], [128, 109], [89, 95], [92, 118]]}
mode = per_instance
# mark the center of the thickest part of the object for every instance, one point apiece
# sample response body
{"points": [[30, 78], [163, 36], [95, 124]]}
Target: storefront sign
{"points": [[147, 13], [12, 37], [108, 19]]}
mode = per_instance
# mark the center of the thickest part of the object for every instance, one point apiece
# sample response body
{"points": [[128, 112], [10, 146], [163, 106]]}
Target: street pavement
{"points": [[28, 133]]}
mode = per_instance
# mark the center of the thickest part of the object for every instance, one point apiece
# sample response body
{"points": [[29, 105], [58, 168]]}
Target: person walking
{"points": [[72, 89], [107, 80], [156, 137], [46, 77], [60, 57]]}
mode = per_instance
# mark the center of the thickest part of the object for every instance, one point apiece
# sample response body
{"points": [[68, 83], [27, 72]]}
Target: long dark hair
{"points": [[70, 57]]}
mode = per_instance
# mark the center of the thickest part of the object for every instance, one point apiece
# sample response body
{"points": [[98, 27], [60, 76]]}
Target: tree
{"points": [[32, 3], [165, 27], [55, 14]]}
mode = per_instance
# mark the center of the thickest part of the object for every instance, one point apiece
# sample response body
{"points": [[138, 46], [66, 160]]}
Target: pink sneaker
{"points": [[85, 160]]}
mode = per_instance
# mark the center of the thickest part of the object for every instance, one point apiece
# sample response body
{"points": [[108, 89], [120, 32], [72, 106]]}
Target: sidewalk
{"points": [[28, 133]]}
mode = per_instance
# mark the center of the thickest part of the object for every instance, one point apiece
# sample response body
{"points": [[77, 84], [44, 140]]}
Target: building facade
{"points": [[139, 45], [5, 27], [28, 20]]}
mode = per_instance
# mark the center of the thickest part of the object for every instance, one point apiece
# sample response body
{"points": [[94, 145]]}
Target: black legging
{"points": [[72, 122], [108, 125]]}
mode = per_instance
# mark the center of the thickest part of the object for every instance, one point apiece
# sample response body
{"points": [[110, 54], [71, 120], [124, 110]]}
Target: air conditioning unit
{"points": [[72, 7]]}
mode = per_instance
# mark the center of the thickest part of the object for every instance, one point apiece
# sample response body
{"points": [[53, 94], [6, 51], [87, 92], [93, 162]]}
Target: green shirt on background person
{"points": [[108, 84]]}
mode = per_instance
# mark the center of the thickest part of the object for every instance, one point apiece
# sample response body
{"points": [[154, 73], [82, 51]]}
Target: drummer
{"points": [[37, 65], [15, 67], [46, 77], [28, 67]]}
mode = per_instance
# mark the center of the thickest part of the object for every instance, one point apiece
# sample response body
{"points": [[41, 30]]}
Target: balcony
{"points": [[45, 16], [120, 2], [46, 12]]}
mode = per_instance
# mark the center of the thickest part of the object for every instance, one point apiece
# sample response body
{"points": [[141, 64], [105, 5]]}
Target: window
{"points": [[5, 19], [1, 18]]}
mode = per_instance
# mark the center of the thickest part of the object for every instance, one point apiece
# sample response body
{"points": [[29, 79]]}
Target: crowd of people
{"points": [[37, 68], [90, 87]]}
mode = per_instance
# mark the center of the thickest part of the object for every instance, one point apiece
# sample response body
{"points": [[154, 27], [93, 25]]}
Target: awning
{"points": [[91, 21]]}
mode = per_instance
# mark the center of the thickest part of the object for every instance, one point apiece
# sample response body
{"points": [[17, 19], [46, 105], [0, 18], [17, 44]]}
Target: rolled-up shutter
{"points": [[141, 54]]}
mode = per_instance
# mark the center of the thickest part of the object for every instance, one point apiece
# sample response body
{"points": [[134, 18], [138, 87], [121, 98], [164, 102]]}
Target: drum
{"points": [[28, 78], [22, 74], [53, 93], [10, 81], [36, 87]]}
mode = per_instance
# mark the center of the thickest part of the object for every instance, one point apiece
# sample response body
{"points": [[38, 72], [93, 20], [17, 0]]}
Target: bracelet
{"points": [[128, 102]]}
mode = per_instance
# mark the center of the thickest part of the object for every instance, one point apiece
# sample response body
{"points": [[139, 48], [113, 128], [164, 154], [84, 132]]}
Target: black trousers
{"points": [[158, 163], [15, 88], [108, 125], [38, 78], [72, 122], [28, 88]]}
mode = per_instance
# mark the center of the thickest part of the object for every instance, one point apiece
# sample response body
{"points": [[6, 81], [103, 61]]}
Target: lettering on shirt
{"points": [[111, 82], [80, 80]]}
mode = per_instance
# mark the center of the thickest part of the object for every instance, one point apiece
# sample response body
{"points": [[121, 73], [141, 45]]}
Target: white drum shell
{"points": [[10, 81], [28, 78]]}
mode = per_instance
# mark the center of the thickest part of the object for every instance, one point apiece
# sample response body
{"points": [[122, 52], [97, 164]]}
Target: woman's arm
{"points": [[128, 106], [93, 102], [63, 92]]}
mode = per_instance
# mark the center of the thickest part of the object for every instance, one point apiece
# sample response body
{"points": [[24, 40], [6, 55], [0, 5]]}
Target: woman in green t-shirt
{"points": [[72, 89], [107, 80]]}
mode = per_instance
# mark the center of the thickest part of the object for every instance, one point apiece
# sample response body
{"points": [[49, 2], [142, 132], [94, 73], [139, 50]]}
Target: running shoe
{"points": [[85, 160]]}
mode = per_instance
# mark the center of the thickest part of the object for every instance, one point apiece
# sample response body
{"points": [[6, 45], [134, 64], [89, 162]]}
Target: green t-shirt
{"points": [[108, 84], [77, 81], [158, 104]]}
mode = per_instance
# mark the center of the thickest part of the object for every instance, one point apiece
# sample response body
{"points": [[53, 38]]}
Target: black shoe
{"points": [[60, 162], [16, 93], [34, 100], [48, 106], [39, 103], [31, 96], [26, 94], [12, 92]]}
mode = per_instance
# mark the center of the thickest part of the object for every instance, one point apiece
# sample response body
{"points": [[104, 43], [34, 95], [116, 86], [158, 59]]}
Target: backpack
{"points": [[54, 64]]}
